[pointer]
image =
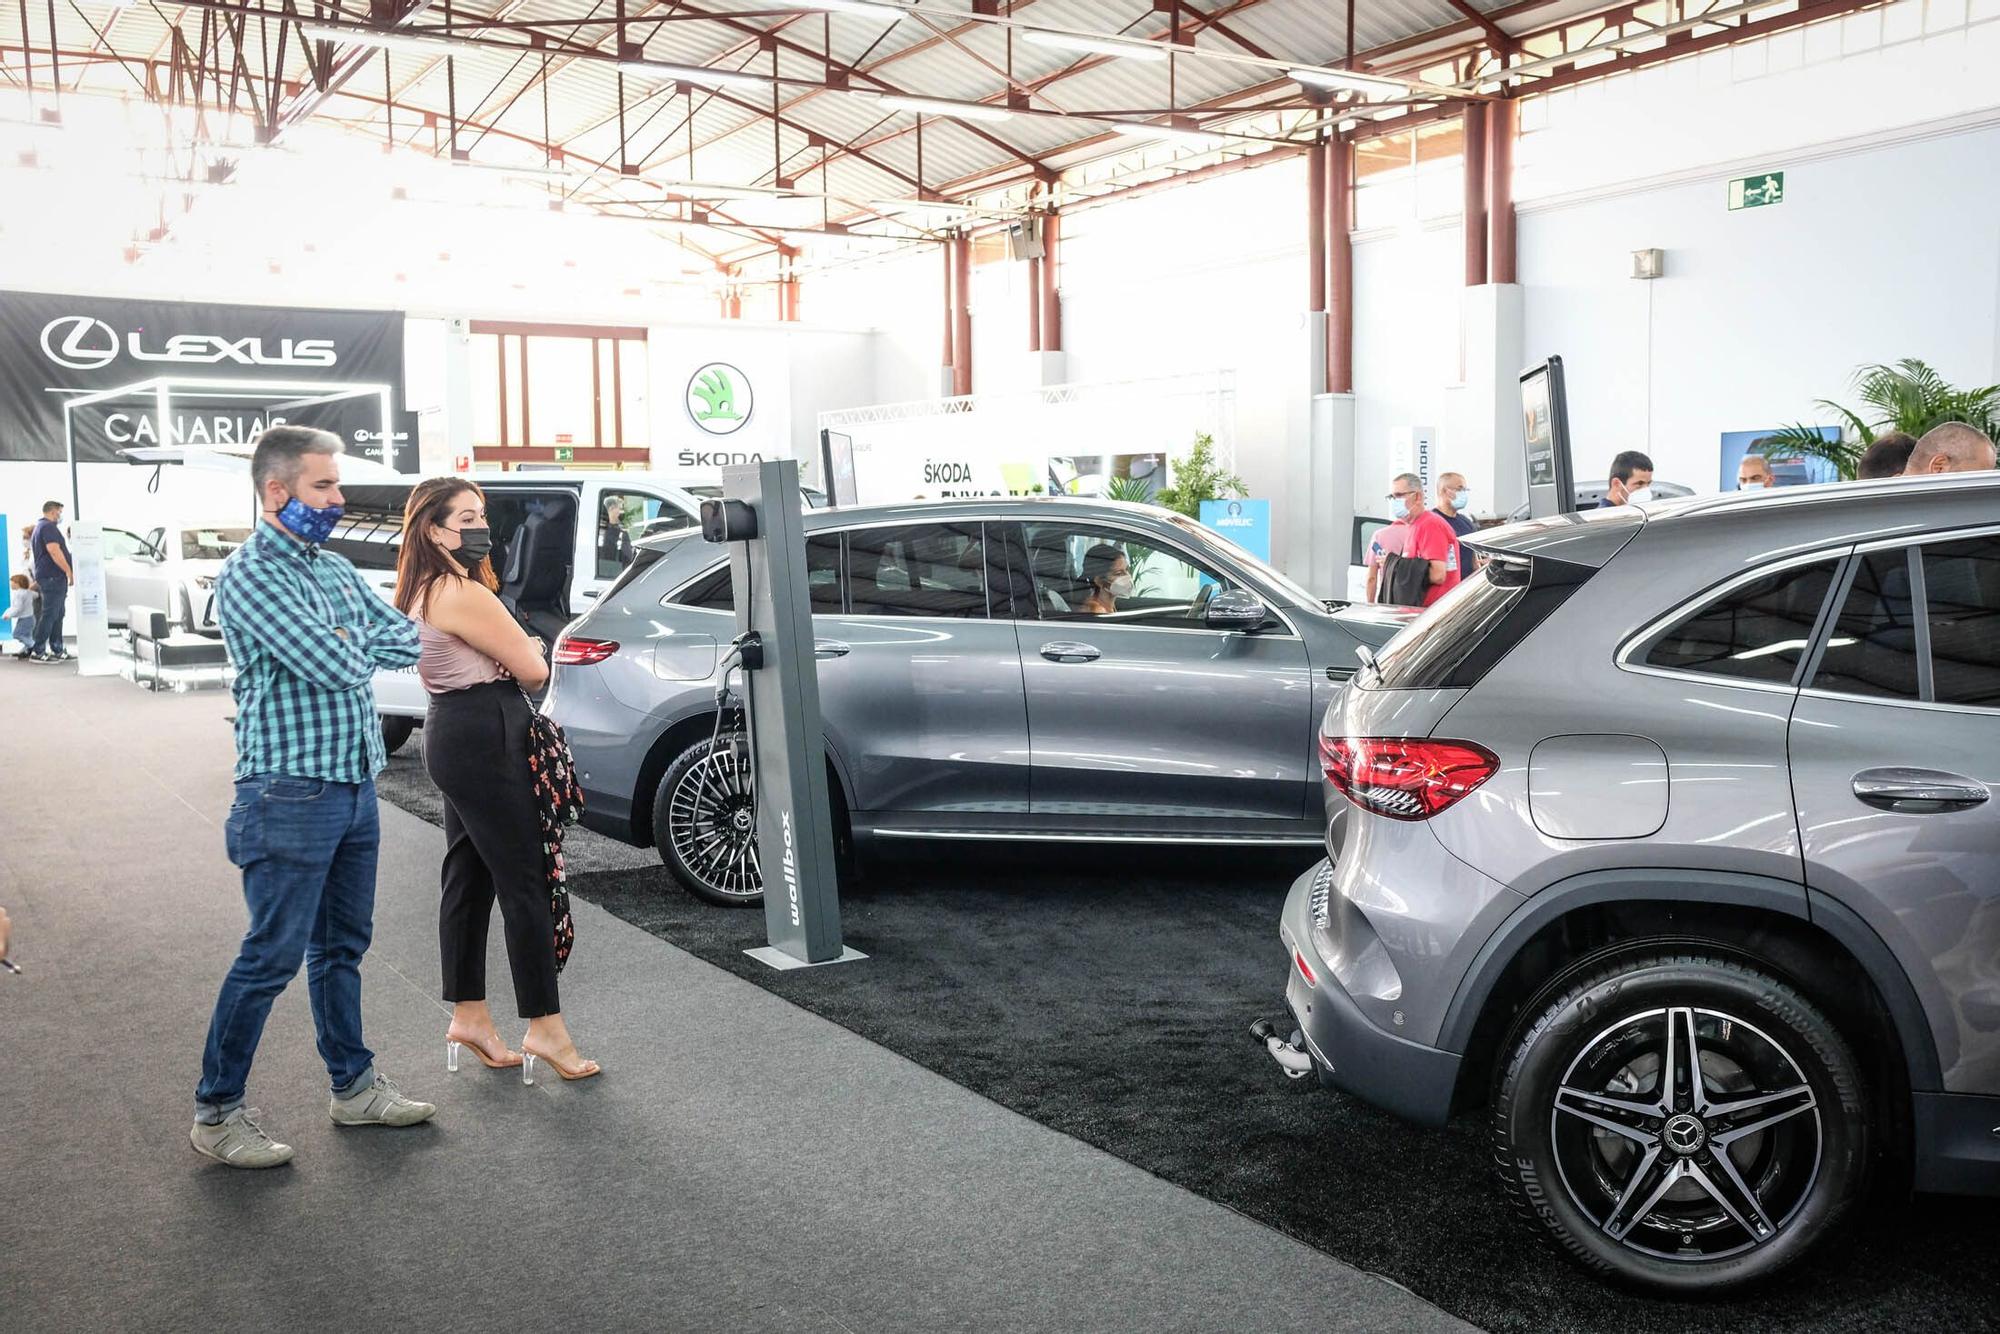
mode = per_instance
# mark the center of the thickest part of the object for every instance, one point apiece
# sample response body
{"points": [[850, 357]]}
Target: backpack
{"points": [[1404, 580]]}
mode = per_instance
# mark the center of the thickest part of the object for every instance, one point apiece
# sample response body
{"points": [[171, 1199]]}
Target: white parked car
{"points": [[556, 546], [171, 567]]}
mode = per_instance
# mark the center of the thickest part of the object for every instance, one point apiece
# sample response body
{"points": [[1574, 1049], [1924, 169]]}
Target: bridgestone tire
{"points": [[1737, 1193]]}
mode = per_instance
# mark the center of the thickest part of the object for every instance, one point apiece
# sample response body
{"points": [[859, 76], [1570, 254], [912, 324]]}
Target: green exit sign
{"points": [[1757, 191], [564, 454]]}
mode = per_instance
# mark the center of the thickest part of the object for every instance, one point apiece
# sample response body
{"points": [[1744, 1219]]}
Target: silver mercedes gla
{"points": [[1668, 839], [1047, 670]]}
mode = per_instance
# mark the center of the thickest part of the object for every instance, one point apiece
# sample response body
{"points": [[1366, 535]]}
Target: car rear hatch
{"points": [[1528, 570]]}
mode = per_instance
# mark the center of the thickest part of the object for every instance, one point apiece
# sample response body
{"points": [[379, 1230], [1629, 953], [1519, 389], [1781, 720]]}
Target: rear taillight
{"points": [[1404, 779], [571, 652]]}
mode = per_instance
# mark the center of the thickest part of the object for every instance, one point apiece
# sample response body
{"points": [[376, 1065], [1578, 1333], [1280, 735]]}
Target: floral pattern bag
{"points": [[558, 805]]}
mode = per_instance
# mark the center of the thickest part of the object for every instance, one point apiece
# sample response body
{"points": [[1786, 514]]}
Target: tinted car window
{"points": [[715, 591], [1962, 589], [1873, 647], [1068, 561], [1758, 632], [929, 569]]}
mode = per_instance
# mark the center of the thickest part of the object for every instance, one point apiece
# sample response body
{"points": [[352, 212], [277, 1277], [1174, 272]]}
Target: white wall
{"points": [[1211, 276], [1887, 127]]}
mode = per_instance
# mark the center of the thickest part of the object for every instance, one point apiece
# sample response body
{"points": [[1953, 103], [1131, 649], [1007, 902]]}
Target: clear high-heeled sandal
{"points": [[583, 1069], [451, 1049]]}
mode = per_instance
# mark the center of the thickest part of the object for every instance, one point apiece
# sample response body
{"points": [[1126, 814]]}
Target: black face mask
{"points": [[474, 545]]}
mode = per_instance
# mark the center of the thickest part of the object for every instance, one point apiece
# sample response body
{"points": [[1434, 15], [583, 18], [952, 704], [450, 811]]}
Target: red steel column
{"points": [[1316, 226], [1051, 295], [1475, 194], [1034, 305], [961, 334], [1503, 123], [1340, 267], [950, 359]]}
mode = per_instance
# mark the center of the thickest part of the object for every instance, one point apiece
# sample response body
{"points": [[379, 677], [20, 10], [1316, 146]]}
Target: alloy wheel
{"points": [[1687, 1134], [711, 818]]}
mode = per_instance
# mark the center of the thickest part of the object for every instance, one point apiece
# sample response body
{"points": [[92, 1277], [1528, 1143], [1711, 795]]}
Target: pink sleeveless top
{"points": [[449, 663]]}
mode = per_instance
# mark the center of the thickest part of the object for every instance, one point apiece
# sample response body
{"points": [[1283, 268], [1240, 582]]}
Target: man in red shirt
{"points": [[1430, 538]]}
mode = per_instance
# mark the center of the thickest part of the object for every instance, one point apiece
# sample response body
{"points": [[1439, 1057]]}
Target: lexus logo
{"points": [[83, 343], [80, 343]]}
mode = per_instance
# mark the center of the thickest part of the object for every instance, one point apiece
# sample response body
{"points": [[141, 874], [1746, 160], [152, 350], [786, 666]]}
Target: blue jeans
{"points": [[48, 630], [307, 849]]}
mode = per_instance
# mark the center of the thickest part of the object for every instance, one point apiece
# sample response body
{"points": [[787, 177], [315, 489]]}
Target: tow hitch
{"points": [[1290, 1053]]}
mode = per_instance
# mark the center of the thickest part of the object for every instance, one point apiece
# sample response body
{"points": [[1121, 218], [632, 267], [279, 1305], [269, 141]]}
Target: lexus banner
{"points": [[95, 376]]}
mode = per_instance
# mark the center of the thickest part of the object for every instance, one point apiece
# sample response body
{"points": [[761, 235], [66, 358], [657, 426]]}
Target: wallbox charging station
{"points": [[761, 518]]}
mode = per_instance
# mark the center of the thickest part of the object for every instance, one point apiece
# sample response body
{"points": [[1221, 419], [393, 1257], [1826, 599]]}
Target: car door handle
{"points": [[1918, 791], [830, 648], [593, 592], [1068, 650]]}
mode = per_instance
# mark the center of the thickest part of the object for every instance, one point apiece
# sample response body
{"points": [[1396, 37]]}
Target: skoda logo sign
{"points": [[80, 343], [719, 399]]}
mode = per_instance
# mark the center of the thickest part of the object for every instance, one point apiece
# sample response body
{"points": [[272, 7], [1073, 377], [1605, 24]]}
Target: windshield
{"points": [[1256, 566], [211, 543]]}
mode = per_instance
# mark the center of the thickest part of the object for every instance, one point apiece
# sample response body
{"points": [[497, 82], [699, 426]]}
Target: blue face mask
{"points": [[1750, 486], [308, 524]]}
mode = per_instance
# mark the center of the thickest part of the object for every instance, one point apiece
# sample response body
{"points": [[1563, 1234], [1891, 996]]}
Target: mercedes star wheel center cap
{"points": [[1685, 1134]]}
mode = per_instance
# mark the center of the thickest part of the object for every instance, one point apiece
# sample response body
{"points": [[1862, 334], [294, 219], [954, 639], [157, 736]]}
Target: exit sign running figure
{"points": [[1757, 191]]}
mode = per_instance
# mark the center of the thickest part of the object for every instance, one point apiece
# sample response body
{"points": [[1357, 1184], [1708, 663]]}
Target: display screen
{"points": [[1538, 428], [839, 468]]}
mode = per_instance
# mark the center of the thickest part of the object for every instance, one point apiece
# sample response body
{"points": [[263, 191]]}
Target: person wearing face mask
{"points": [[1418, 534], [1454, 507], [476, 662], [306, 636], [1754, 474], [1631, 479], [1108, 571]]}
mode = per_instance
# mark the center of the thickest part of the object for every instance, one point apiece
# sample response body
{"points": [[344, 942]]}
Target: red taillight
{"points": [[1299, 958], [1404, 779], [582, 652]]}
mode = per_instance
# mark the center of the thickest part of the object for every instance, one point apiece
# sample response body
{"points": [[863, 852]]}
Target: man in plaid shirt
{"points": [[306, 635]]}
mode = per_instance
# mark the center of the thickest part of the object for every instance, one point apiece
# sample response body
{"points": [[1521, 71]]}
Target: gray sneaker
{"points": [[379, 1104], [239, 1142]]}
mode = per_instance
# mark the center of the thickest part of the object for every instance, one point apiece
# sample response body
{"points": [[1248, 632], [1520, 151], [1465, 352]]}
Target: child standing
{"points": [[21, 611]]}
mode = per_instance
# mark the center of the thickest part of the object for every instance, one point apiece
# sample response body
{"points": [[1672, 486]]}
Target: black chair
{"points": [[534, 583]]}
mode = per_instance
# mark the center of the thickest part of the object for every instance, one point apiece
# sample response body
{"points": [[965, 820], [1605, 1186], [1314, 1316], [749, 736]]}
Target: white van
{"points": [[559, 539]]}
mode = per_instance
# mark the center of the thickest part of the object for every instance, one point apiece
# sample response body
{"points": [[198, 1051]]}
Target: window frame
{"points": [[1913, 548], [1630, 655]]}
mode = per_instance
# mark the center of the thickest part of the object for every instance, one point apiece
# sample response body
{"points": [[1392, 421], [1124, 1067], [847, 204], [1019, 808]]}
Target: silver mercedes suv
{"points": [[1669, 839], [1045, 670]]}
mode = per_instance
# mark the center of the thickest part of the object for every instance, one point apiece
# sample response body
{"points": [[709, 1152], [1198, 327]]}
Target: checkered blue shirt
{"points": [[306, 635]]}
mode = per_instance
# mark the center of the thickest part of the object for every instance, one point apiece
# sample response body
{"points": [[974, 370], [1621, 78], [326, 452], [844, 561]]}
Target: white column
{"points": [[457, 393], [1484, 437]]}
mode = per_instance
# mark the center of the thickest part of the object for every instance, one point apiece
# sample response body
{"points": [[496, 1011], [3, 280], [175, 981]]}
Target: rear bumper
{"points": [[1407, 1078]]}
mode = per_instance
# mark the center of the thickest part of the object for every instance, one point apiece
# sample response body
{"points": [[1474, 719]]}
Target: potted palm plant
{"points": [[1909, 396]]}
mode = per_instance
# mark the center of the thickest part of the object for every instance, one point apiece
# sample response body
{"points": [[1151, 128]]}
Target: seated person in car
{"points": [[1108, 573]]}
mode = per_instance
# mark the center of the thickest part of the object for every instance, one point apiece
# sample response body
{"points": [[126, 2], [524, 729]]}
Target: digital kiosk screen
{"points": [[839, 460], [1545, 440]]}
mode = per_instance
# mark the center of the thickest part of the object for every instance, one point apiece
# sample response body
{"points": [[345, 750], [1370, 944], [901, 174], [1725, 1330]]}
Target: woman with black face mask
{"points": [[476, 663]]}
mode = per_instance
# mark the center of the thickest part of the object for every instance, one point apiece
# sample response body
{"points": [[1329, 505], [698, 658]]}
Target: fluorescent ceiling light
{"points": [[701, 74], [1368, 85], [693, 190], [920, 205], [1103, 46], [381, 40], [866, 9], [937, 106], [1191, 138]]}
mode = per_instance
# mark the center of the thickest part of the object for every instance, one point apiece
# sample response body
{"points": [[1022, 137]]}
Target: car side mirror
{"points": [[1235, 609]]}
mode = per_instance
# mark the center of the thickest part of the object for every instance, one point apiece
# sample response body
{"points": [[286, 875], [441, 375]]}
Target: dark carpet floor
{"points": [[1108, 996]]}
